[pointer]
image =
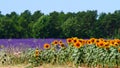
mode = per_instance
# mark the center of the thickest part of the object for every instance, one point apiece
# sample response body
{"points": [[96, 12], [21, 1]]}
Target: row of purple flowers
{"points": [[27, 43]]}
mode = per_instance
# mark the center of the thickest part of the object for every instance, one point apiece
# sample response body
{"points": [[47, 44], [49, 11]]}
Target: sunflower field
{"points": [[75, 52]]}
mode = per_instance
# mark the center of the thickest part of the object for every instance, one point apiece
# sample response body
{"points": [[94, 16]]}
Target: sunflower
{"points": [[93, 40], [62, 45], [81, 41], [46, 46], [118, 41], [106, 46], [97, 41], [115, 44], [77, 44], [101, 44], [75, 40], [55, 42], [69, 40], [111, 42], [60, 42], [36, 52], [89, 42]]}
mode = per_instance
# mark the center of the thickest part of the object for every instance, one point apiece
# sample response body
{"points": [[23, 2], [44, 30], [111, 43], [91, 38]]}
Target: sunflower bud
{"points": [[36, 52]]}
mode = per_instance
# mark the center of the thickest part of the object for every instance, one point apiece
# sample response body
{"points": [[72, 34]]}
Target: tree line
{"points": [[82, 24]]}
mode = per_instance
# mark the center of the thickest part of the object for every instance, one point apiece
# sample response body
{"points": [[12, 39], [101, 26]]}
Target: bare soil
{"points": [[43, 66]]}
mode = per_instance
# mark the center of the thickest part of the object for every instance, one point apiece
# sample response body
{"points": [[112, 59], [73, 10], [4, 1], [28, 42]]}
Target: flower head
{"points": [[62, 45], [60, 42], [55, 42], [69, 40], [89, 42], [46, 46], [93, 40], [77, 44], [101, 44]]}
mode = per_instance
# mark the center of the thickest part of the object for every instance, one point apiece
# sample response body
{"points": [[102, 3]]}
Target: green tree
{"points": [[36, 15], [9, 25], [54, 25], [87, 21], [108, 24], [71, 27], [24, 21], [40, 28]]}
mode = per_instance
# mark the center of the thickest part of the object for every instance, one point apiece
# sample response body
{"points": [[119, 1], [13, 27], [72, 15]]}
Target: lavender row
{"points": [[27, 43]]}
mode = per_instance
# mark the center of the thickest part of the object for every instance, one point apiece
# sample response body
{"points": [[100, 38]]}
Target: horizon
{"points": [[46, 7]]}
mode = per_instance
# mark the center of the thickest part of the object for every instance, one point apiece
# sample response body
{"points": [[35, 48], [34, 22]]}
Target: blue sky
{"points": [[47, 6]]}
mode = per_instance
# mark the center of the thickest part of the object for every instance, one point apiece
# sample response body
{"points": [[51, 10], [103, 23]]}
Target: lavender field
{"points": [[26, 43]]}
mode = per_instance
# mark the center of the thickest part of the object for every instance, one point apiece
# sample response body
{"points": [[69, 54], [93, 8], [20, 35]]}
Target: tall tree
{"points": [[70, 27], [24, 21], [54, 25], [87, 21], [40, 28], [36, 15]]}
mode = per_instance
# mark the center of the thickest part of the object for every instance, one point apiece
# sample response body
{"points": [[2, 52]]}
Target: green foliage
{"points": [[89, 55], [69, 27], [40, 28], [85, 24]]}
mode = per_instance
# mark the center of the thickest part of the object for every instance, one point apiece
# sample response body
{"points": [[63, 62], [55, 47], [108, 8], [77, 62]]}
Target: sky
{"points": [[47, 6]]}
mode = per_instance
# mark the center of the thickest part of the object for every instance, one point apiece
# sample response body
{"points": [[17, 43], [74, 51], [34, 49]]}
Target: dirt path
{"points": [[14, 66], [43, 66], [36, 67]]}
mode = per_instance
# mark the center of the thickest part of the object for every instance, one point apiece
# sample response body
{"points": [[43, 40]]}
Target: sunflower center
{"points": [[69, 40], [47, 46]]}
